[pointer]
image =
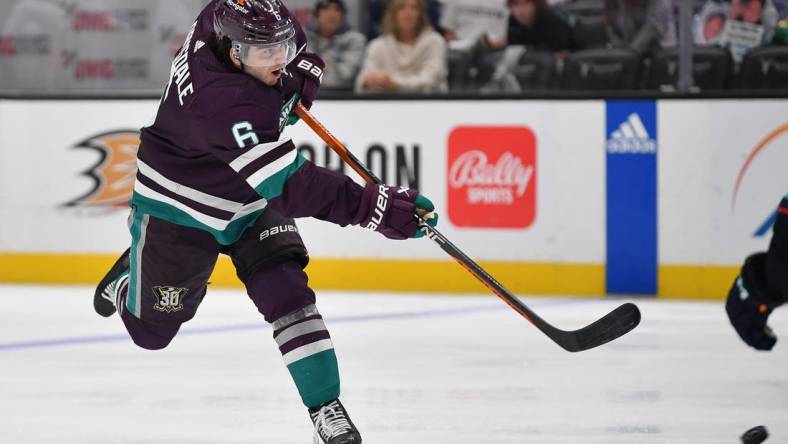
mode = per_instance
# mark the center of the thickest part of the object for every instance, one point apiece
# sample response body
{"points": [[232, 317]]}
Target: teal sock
{"points": [[316, 377]]}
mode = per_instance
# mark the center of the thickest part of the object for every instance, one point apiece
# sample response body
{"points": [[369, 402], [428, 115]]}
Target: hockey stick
{"points": [[613, 325]]}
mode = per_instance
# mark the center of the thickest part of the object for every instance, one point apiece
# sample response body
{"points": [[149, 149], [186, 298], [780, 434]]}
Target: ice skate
{"points": [[108, 290], [333, 425]]}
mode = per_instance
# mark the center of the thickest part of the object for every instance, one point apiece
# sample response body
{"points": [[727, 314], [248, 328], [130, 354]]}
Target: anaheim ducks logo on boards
{"points": [[115, 171]]}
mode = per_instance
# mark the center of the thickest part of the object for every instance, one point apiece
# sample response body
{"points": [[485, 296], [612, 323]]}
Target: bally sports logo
{"points": [[492, 177]]}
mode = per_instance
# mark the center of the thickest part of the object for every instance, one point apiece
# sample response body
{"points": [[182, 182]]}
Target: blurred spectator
{"points": [[643, 25], [408, 57], [739, 24], [474, 30], [532, 26], [377, 9], [464, 22], [339, 46], [750, 24], [758, 15], [710, 22], [757, 12], [535, 25], [781, 32]]}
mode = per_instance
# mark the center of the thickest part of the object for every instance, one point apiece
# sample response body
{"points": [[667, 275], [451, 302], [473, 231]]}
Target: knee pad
{"points": [[279, 290], [149, 336]]}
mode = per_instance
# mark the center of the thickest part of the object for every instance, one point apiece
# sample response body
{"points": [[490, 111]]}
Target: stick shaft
{"points": [[611, 326], [465, 261]]}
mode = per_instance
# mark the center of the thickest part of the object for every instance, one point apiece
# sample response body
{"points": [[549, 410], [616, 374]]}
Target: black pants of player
{"points": [[172, 263], [170, 267]]}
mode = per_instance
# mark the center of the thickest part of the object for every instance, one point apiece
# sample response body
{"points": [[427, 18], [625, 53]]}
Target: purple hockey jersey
{"points": [[213, 158]]}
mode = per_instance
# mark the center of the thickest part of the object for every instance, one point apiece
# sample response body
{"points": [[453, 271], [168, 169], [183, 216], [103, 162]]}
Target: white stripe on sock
{"points": [[307, 351]]}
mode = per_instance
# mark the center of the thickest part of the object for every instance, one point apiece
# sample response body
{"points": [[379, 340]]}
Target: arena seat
{"points": [[589, 32], [601, 69], [765, 68], [536, 70], [712, 67], [582, 8]]}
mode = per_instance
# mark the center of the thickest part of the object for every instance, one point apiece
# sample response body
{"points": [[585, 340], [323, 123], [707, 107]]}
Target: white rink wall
{"points": [[554, 219], [705, 217]]}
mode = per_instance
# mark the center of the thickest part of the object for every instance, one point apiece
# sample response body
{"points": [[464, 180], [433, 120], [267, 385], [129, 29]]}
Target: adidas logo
{"points": [[631, 137]]}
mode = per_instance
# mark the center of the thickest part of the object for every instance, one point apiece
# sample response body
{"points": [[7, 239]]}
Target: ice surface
{"points": [[415, 369]]}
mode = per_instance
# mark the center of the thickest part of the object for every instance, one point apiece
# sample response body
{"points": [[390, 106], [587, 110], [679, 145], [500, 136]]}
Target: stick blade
{"points": [[613, 325]]}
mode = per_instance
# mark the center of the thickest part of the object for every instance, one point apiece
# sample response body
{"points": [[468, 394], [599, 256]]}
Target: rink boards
{"points": [[565, 197]]}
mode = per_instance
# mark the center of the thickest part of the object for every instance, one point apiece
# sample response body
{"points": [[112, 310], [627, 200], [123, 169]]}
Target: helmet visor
{"points": [[272, 55]]}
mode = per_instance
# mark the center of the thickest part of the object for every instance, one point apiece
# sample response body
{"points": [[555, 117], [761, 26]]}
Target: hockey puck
{"points": [[755, 435]]}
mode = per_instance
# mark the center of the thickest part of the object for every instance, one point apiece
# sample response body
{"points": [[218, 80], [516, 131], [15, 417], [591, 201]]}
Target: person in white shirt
{"points": [[408, 57]]}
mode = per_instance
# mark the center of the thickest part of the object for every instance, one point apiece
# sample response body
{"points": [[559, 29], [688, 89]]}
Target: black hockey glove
{"points": [[750, 302], [302, 80], [392, 211]]}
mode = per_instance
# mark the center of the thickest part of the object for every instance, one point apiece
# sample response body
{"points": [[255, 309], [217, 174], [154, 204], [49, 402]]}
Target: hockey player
{"points": [[214, 177], [761, 287]]}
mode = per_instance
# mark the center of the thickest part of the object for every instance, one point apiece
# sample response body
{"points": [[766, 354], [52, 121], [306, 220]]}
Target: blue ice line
{"points": [[97, 339]]}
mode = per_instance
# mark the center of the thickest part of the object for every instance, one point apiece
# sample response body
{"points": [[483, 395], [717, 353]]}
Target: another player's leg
{"points": [[761, 287], [777, 259], [270, 260], [160, 281]]}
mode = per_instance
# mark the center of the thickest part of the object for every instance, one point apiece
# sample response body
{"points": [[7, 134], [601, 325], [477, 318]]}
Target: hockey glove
{"points": [[392, 211], [304, 76], [750, 302]]}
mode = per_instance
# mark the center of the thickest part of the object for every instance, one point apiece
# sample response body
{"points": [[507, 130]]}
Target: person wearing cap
{"points": [[340, 47]]}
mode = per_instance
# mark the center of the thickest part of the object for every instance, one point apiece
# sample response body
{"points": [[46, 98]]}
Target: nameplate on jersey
{"points": [[179, 70]]}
